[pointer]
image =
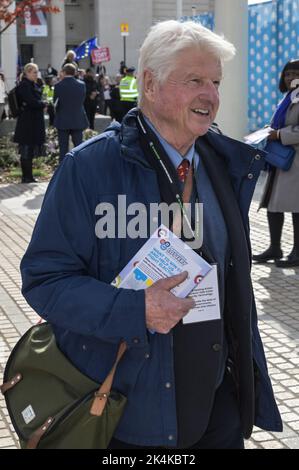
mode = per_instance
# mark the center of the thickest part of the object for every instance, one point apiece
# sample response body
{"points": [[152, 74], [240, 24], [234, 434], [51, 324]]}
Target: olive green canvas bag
{"points": [[52, 405]]}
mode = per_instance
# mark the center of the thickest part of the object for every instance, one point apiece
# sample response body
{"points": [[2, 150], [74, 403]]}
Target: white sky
{"points": [[250, 2]]}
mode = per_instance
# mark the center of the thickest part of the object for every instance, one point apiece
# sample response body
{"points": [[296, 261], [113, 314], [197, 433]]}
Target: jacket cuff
{"points": [[129, 318]]}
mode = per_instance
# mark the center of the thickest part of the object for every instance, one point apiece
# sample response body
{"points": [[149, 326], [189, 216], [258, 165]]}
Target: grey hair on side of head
{"points": [[166, 39]]}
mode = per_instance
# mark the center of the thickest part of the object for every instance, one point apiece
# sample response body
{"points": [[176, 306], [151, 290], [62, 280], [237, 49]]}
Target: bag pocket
{"points": [[75, 428]]}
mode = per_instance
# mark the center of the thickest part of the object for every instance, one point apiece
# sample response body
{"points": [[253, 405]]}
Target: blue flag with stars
{"points": [[85, 48]]}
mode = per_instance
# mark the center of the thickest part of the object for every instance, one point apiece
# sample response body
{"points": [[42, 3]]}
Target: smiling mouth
{"points": [[201, 112]]}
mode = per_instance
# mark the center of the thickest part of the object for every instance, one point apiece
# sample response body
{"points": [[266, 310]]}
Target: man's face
{"points": [[187, 102]]}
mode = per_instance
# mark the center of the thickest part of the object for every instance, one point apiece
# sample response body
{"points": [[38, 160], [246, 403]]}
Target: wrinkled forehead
{"points": [[195, 60]]}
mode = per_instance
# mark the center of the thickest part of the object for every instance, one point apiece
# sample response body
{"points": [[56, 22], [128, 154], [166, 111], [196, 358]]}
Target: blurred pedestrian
{"points": [[128, 91], [107, 95], [51, 71], [90, 103], [30, 126], [115, 104], [3, 94], [48, 93], [70, 118], [100, 95], [70, 58], [122, 68], [282, 189]]}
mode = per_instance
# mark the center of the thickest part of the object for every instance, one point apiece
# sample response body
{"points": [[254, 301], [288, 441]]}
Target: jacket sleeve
{"points": [[289, 135], [56, 268]]}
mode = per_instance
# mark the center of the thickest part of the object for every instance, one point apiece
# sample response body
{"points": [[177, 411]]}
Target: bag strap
{"points": [[102, 394]]}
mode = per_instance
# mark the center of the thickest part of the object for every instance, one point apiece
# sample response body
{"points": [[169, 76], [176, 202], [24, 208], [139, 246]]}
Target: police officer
{"points": [[128, 91]]}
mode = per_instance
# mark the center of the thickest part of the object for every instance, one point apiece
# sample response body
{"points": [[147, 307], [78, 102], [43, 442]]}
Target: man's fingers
{"points": [[187, 304], [170, 282]]}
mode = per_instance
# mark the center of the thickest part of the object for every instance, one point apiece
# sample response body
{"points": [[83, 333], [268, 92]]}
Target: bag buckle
{"points": [[101, 394]]}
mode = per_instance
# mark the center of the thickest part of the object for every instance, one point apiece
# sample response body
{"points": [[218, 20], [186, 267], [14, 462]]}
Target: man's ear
{"points": [[149, 85]]}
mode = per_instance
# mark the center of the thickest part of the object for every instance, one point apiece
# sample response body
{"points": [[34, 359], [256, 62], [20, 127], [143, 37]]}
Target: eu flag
{"points": [[85, 48]]}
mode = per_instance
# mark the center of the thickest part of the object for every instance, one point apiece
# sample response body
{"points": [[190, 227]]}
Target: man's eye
{"points": [[216, 83], [195, 82]]}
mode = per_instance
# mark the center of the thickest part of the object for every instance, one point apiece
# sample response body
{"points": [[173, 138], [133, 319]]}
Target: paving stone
{"points": [[262, 436], [6, 441], [292, 442], [284, 395], [287, 432], [290, 417], [294, 424], [292, 402], [251, 445], [273, 445]]}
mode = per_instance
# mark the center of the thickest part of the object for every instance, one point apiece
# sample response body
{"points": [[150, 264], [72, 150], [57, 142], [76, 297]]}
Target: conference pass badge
{"points": [[206, 296]]}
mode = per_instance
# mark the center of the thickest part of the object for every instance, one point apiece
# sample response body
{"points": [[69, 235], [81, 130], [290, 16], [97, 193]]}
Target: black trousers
{"points": [[224, 428], [63, 140]]}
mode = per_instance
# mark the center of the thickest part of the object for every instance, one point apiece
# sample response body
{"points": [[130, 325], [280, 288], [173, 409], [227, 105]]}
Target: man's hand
{"points": [[163, 310]]}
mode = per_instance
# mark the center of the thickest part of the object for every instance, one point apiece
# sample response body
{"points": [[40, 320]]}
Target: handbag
{"points": [[52, 405], [279, 155]]}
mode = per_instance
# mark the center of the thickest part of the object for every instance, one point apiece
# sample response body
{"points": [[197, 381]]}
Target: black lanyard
{"points": [[169, 184]]}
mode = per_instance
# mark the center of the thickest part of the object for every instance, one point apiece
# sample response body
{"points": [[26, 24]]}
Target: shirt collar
{"points": [[175, 156]]}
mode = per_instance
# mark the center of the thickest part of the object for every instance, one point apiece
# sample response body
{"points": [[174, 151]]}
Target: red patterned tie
{"points": [[183, 169]]}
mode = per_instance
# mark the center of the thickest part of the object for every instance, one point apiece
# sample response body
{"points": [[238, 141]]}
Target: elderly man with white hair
{"points": [[199, 384]]}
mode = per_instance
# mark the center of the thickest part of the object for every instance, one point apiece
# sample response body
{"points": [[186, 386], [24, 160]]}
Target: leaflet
{"points": [[257, 136], [206, 297], [163, 255]]}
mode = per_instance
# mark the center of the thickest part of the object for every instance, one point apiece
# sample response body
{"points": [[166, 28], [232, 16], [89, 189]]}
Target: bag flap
{"points": [[284, 151]]}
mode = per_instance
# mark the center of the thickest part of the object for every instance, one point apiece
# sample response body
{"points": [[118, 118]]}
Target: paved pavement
{"points": [[276, 294]]}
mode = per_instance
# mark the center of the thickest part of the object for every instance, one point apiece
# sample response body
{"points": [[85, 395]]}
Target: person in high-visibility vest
{"points": [[128, 91]]}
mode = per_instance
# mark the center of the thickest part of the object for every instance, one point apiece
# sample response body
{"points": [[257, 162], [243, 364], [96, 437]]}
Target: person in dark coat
{"points": [[90, 103], [115, 106], [51, 71], [30, 126], [197, 384], [70, 118]]}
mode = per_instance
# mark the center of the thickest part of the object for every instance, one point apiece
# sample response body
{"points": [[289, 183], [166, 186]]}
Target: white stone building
{"points": [[80, 20]]}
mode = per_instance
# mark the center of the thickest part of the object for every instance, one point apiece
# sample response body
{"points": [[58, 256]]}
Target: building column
{"points": [[97, 20], [179, 9], [9, 52], [231, 20], [58, 41]]}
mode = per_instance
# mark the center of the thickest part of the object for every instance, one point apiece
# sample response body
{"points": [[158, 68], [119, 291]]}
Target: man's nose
{"points": [[209, 90]]}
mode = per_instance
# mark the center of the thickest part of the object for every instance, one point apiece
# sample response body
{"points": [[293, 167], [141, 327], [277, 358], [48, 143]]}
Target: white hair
{"points": [[166, 39]]}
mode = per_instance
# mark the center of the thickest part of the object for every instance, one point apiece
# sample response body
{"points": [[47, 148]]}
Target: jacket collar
{"points": [[240, 158]]}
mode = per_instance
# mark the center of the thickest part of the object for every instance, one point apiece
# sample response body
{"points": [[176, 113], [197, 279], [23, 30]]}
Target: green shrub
{"points": [[44, 164], [8, 153]]}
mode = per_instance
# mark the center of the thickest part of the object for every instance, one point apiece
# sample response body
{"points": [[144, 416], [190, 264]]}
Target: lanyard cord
{"points": [[169, 171], [149, 141]]}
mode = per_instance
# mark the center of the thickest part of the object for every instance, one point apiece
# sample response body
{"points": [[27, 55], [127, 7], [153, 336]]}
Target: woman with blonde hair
{"points": [[30, 127]]}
